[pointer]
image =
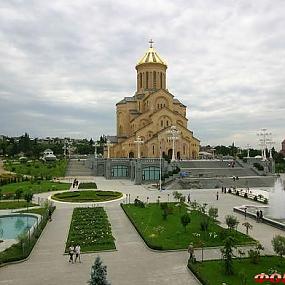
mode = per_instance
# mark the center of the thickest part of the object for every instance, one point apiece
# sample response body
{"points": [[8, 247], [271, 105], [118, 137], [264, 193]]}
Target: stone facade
{"points": [[149, 114]]}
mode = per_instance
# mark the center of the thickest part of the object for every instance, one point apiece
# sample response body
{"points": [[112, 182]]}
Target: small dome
{"points": [[151, 56]]}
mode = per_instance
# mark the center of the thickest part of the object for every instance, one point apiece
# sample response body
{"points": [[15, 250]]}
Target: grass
{"points": [[87, 185], [35, 186], [90, 229], [87, 196], [15, 204], [39, 211], [39, 168], [212, 272], [169, 234]]}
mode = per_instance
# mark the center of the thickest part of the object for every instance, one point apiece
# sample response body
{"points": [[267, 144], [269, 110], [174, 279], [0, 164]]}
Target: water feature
{"points": [[277, 201], [13, 225]]}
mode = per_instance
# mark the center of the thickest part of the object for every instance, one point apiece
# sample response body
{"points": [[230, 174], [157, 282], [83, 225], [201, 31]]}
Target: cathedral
{"points": [[152, 122]]}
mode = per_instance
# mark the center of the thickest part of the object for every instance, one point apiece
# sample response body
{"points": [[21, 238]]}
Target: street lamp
{"points": [[139, 141], [263, 134], [270, 144], [96, 144], [109, 144], [173, 134], [248, 148]]}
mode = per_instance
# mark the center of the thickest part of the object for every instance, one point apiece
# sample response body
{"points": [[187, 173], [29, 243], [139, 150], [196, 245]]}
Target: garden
{"points": [[37, 168], [237, 270], [87, 185], [86, 196], [15, 204], [8, 191], [165, 226], [90, 228]]}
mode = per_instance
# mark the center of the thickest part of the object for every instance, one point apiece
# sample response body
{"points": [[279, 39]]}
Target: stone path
{"points": [[132, 262]]}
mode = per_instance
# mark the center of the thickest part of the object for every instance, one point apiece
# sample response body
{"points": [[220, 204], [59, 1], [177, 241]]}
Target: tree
{"points": [[185, 220], [18, 193], [278, 243], [231, 221], [177, 195], [165, 210], [98, 273], [213, 213], [254, 254], [28, 196], [227, 253], [247, 226]]}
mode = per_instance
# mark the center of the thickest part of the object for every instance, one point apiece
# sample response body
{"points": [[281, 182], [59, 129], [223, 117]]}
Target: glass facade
{"points": [[151, 173], [120, 171]]}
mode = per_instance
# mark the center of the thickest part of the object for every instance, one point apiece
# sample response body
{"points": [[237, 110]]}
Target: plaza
{"points": [[132, 261]]}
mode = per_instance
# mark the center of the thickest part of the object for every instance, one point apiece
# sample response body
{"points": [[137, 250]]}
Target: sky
{"points": [[65, 64]]}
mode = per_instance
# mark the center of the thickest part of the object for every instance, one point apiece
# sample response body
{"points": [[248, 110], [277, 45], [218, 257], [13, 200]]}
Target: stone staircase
{"points": [[78, 167]]}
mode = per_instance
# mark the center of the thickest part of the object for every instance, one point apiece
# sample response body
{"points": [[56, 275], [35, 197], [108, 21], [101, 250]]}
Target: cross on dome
{"points": [[150, 43]]}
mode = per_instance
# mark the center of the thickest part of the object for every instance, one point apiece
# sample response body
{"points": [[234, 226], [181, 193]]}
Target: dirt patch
{"points": [[2, 170]]}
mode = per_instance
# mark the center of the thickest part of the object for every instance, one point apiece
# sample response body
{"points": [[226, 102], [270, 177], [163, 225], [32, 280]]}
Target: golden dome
{"points": [[151, 56]]}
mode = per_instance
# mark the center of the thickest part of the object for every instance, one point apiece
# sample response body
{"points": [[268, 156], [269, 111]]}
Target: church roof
{"points": [[151, 56]]}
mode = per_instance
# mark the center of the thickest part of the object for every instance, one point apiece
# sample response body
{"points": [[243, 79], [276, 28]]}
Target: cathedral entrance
{"points": [[131, 155], [178, 155], [169, 154]]}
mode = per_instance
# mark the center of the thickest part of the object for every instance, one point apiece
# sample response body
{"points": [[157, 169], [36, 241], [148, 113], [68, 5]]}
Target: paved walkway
{"points": [[133, 262]]}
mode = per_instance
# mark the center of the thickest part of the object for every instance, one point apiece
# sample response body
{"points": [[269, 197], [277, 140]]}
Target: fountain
{"points": [[277, 201], [274, 214]]}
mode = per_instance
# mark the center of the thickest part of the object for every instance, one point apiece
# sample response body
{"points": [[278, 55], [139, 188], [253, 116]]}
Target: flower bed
{"points": [[90, 229], [87, 185], [87, 196]]}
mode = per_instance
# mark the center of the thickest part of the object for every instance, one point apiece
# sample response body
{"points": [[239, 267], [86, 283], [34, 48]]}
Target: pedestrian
{"points": [[189, 198], [260, 215], [71, 253], [77, 253], [257, 216], [225, 189], [191, 251], [245, 209], [222, 189], [217, 195]]}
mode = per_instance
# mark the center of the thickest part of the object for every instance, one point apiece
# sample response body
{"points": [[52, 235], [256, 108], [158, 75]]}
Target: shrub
{"points": [[231, 221], [254, 254], [258, 166], [278, 243], [139, 203], [213, 213], [204, 225]]}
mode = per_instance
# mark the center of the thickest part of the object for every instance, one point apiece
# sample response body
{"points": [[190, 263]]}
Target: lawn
{"points": [[90, 229], [169, 234], [35, 186], [15, 204], [87, 185], [39, 168], [212, 272], [87, 196]]}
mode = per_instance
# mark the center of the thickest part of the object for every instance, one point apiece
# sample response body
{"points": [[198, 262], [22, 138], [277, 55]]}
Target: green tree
{"points": [[165, 210], [248, 226], [177, 195], [231, 221], [28, 196], [227, 253], [213, 213], [18, 194], [98, 273], [278, 243], [254, 254], [185, 220]]}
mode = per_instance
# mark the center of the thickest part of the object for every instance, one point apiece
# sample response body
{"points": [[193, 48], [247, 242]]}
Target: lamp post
{"points": [[248, 148], [139, 141], [263, 134], [173, 135], [96, 144], [109, 144], [270, 144]]}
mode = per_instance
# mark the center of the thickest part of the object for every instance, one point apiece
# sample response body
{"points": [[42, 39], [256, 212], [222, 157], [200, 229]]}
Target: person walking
{"points": [[260, 215], [257, 216], [71, 253], [217, 195], [189, 198], [191, 251], [245, 211], [77, 253]]}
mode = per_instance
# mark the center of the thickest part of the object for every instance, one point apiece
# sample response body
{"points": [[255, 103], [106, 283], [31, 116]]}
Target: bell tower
{"points": [[151, 71]]}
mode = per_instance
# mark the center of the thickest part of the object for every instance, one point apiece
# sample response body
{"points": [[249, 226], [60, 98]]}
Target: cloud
{"points": [[65, 64]]}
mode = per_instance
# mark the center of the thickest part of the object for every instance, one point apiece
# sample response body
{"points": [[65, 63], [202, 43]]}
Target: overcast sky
{"points": [[65, 64]]}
